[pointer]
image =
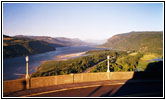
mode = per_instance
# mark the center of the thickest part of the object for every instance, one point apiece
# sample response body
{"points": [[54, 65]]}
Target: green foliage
{"points": [[76, 65], [129, 62], [145, 42], [145, 60], [121, 63], [21, 47]]}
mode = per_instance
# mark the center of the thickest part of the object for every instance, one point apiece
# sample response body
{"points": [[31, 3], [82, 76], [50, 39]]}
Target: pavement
{"points": [[119, 88]]}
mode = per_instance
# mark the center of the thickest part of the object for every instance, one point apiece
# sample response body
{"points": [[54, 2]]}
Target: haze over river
{"points": [[14, 67]]}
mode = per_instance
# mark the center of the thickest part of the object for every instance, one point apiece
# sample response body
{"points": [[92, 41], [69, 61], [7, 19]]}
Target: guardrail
{"points": [[20, 84]]}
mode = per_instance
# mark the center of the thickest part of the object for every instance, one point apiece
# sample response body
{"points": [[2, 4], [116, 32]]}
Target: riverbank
{"points": [[64, 57], [69, 56], [18, 65], [57, 58]]}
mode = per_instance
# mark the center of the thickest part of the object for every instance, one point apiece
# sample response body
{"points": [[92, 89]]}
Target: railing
{"points": [[20, 84]]}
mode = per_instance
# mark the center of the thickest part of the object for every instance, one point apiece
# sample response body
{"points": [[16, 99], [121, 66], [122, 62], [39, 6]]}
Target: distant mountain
{"points": [[58, 41], [96, 42], [47, 39], [71, 42], [14, 46], [151, 42]]}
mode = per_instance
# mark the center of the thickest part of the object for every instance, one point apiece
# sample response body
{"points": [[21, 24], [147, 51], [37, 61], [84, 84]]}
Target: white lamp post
{"points": [[27, 75], [108, 70]]}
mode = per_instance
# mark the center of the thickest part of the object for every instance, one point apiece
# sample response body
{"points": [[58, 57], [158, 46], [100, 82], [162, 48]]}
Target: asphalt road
{"points": [[90, 68], [122, 88]]}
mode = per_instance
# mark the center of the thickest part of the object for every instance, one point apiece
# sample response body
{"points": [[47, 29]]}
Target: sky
{"points": [[85, 21]]}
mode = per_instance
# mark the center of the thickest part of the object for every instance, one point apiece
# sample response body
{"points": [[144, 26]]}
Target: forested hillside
{"points": [[13, 46], [145, 42], [58, 41]]}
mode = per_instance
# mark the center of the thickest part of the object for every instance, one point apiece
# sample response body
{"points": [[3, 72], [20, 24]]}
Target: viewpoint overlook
{"points": [[83, 49], [133, 63]]}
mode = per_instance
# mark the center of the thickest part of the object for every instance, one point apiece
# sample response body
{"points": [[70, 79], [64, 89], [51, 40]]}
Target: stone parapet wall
{"points": [[20, 84], [76, 78], [14, 85]]}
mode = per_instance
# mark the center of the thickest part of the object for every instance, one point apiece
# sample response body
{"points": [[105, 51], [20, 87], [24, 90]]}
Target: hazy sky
{"points": [[81, 20]]}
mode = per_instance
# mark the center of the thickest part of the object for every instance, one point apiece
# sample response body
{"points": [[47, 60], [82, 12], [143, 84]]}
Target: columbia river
{"points": [[14, 67]]}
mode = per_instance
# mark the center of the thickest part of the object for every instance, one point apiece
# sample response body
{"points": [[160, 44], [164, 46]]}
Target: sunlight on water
{"points": [[15, 67]]}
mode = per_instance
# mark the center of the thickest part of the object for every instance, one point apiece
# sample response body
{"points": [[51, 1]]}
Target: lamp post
{"points": [[27, 75], [108, 70]]}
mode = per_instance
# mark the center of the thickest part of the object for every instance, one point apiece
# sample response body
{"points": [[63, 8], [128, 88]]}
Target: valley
{"points": [[124, 54]]}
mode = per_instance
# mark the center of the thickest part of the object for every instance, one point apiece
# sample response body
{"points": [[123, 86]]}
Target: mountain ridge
{"points": [[13, 46], [144, 41], [57, 41]]}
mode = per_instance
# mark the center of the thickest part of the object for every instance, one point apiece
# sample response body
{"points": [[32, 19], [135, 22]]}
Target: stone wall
{"points": [[42, 81], [87, 77], [76, 78], [121, 75], [19, 84], [14, 85]]}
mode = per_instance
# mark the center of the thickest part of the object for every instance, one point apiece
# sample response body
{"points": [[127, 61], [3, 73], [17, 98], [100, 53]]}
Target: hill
{"points": [[145, 42], [58, 41], [47, 39], [14, 46]]}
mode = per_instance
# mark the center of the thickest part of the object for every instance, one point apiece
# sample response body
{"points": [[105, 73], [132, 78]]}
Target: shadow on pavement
{"points": [[143, 84], [94, 91]]}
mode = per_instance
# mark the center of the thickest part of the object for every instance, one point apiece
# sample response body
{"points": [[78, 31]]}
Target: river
{"points": [[14, 67]]}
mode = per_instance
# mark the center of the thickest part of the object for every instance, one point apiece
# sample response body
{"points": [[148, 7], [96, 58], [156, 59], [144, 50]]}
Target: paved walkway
{"points": [[96, 89]]}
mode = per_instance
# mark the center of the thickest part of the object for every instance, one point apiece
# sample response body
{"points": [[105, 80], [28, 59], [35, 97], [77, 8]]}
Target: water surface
{"points": [[14, 67], [157, 59]]}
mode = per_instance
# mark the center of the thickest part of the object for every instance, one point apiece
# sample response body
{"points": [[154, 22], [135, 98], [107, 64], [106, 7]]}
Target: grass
{"points": [[143, 62], [149, 57], [133, 54]]}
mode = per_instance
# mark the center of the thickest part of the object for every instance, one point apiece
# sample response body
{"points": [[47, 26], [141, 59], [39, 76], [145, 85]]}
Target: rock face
{"points": [[137, 41], [13, 46]]}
